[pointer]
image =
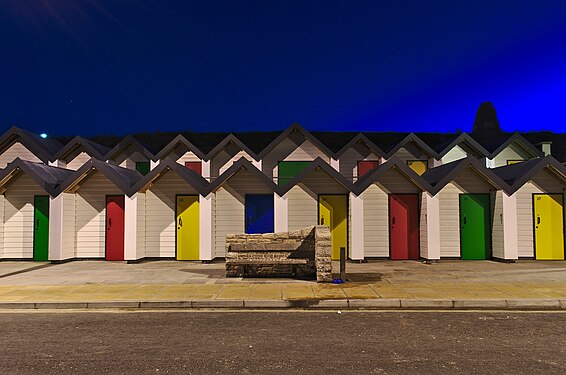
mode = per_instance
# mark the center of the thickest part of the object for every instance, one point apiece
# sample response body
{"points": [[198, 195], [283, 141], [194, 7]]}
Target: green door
{"points": [[287, 170], [475, 241], [41, 227]]}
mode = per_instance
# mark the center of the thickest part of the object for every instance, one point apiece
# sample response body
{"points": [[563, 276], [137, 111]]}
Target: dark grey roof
{"points": [[182, 141], [125, 179], [365, 181], [514, 138], [316, 164], [231, 138], [78, 144], [242, 163], [47, 177], [296, 127], [42, 148], [362, 139], [463, 138], [128, 143], [516, 175], [440, 176], [191, 177]]}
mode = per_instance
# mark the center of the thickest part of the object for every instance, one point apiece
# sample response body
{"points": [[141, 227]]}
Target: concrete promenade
{"points": [[376, 284]]}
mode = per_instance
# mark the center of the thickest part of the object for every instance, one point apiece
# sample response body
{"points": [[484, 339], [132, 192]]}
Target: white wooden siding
{"points": [[188, 156], [90, 208], [223, 161], [140, 224], [306, 151], [160, 205], [78, 161], [542, 183], [302, 207], [277, 154], [497, 227], [449, 206], [17, 150], [410, 152], [68, 241], [396, 182], [511, 152], [423, 227], [469, 181], [19, 217], [376, 222], [229, 218], [456, 153]]}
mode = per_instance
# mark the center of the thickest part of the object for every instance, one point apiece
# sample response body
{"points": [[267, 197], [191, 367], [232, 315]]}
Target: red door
{"points": [[404, 226], [115, 227], [195, 166], [365, 166]]}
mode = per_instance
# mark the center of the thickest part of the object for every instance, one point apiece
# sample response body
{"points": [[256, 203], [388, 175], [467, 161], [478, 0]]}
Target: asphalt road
{"points": [[282, 343]]}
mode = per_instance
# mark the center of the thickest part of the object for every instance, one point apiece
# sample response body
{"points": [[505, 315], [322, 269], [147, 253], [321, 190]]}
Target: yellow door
{"points": [[187, 227], [549, 226], [419, 166], [333, 212]]}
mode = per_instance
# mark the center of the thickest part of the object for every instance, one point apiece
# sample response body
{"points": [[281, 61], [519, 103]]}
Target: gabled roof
{"points": [[463, 138], [516, 138], [316, 164], [126, 142], [363, 139], [42, 148], [365, 181], [440, 176], [125, 179], [48, 177], [242, 163], [93, 149], [179, 140], [298, 128], [191, 177], [516, 175], [412, 138], [231, 138]]}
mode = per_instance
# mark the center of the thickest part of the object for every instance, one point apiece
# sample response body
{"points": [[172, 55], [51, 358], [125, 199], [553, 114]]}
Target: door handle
{"points": [[538, 220], [393, 220], [465, 220], [322, 220], [180, 222], [37, 224]]}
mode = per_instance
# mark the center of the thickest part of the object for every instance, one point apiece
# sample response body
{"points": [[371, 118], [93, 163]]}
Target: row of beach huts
{"points": [[414, 200]]}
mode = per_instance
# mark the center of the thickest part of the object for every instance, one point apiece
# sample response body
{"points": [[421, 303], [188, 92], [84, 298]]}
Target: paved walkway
{"points": [[378, 284]]}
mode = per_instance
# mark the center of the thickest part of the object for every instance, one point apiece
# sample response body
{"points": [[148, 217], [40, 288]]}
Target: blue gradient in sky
{"points": [[90, 67]]}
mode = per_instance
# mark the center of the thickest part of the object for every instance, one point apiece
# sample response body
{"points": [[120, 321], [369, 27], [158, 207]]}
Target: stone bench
{"points": [[290, 254]]}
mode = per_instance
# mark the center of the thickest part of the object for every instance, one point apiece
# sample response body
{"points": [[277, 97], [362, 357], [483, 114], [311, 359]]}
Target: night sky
{"points": [[116, 67]]}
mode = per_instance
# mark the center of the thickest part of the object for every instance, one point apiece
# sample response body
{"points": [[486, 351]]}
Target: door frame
{"points": [[419, 198], [106, 230], [49, 222], [533, 217], [489, 227], [175, 221], [347, 195]]}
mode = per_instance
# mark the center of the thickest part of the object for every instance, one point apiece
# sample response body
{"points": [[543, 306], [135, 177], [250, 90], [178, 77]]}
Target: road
{"points": [[282, 342]]}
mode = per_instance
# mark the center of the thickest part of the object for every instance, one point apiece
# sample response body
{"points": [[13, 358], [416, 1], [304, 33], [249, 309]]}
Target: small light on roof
{"points": [[43, 135]]}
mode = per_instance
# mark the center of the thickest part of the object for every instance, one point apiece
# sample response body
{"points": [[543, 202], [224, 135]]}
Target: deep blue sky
{"points": [[99, 66]]}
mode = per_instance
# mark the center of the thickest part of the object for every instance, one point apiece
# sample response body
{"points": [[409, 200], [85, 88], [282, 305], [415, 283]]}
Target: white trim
{"points": [[432, 227], [131, 251], [281, 216], [357, 227], [205, 227], [335, 164], [510, 227]]}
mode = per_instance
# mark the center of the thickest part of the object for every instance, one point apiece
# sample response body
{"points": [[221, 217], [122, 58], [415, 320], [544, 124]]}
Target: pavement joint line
{"points": [[38, 267]]}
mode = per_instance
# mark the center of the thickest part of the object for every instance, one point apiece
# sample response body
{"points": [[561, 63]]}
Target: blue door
{"points": [[259, 213]]}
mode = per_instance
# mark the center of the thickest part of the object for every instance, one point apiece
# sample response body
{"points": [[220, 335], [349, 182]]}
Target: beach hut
{"points": [[318, 195], [177, 216], [464, 195], [19, 143], [514, 149], [390, 215], [78, 151], [359, 157], [411, 150], [532, 209], [26, 191], [131, 154], [243, 202], [186, 154], [105, 211], [228, 152]]}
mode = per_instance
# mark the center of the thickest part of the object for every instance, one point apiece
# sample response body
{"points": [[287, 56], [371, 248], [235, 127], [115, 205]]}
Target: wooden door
{"points": [[475, 233], [259, 213], [188, 228], [548, 210], [333, 212], [404, 226], [115, 227], [41, 227]]}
